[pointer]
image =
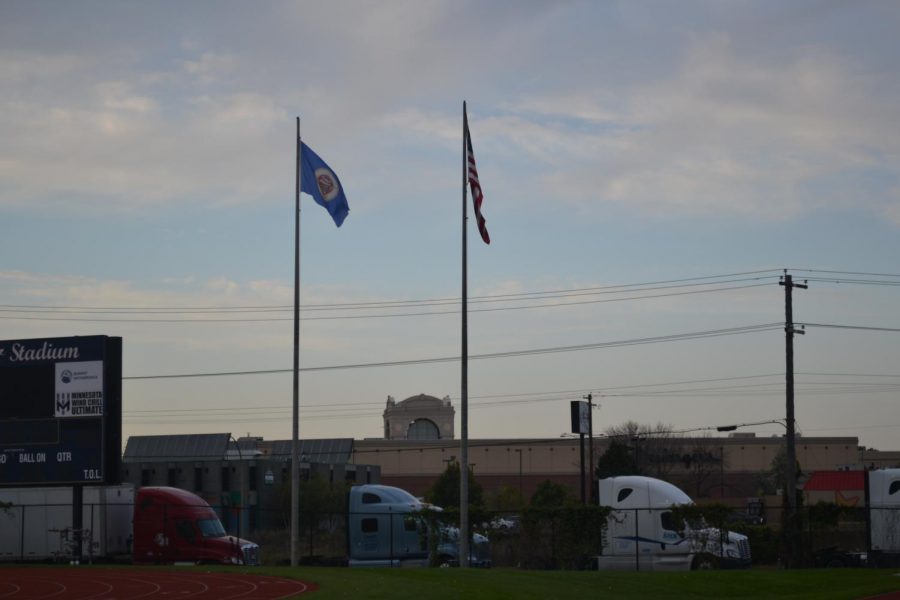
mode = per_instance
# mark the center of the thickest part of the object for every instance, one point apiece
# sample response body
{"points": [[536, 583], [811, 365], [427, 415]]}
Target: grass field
{"points": [[500, 584], [513, 584]]}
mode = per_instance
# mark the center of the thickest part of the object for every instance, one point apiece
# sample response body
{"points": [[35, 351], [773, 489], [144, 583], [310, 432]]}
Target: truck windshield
{"points": [[211, 528]]}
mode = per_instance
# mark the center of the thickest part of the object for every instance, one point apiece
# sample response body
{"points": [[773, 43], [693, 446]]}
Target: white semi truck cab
{"points": [[641, 532]]}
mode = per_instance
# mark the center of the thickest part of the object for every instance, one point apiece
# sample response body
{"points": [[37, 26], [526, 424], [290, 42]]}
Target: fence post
{"points": [[637, 543], [391, 530], [77, 521], [553, 538], [163, 554], [312, 520], [22, 536], [91, 538], [868, 521]]}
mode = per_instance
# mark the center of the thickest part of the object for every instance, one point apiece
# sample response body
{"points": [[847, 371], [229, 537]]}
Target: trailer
{"points": [[119, 523], [883, 510], [882, 517], [38, 525]]}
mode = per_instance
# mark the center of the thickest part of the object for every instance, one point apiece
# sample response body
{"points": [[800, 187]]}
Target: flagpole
{"points": [[464, 392], [295, 462]]}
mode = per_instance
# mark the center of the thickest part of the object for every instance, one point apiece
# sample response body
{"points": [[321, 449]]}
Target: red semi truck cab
{"points": [[174, 525]]}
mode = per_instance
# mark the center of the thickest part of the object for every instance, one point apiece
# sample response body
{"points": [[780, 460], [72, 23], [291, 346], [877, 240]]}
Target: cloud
{"points": [[18, 67], [717, 131], [210, 67], [119, 95], [724, 135], [119, 151], [892, 213]]}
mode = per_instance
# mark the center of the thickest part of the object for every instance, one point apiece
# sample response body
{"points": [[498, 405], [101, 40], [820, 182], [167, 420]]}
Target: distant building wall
{"points": [[257, 485], [733, 467], [877, 459]]}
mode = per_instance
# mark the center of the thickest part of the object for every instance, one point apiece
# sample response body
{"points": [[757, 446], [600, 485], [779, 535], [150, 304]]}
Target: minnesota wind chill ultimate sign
{"points": [[60, 410]]}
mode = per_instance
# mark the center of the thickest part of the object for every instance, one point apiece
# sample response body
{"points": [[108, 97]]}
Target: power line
{"points": [[729, 278], [366, 316], [512, 353], [853, 281], [413, 446], [425, 301], [855, 327], [856, 273], [368, 409], [387, 304], [508, 354]]}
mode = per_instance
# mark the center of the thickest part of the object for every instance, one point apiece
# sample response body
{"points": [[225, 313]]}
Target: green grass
{"points": [[501, 584], [513, 584]]}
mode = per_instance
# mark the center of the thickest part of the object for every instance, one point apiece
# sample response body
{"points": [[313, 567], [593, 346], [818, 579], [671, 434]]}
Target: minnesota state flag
{"points": [[320, 182]]}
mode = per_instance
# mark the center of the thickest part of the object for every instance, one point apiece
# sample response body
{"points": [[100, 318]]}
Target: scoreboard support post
{"points": [[77, 521]]}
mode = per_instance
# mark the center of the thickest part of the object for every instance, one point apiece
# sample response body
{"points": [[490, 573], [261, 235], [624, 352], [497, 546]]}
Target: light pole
{"points": [[589, 399], [790, 423], [240, 470], [789, 483]]}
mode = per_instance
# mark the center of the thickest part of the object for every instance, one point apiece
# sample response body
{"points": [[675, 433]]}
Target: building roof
{"points": [[175, 448], [421, 401], [335, 451], [835, 481], [218, 446]]}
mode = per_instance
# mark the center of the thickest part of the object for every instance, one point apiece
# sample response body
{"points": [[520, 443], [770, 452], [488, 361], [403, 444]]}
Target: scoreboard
{"points": [[60, 411]]}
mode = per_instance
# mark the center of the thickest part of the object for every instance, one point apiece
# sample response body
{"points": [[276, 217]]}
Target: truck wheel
{"points": [[705, 562]]}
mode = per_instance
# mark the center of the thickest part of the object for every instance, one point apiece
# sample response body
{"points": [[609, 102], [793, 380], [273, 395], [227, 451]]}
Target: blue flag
{"points": [[320, 182]]}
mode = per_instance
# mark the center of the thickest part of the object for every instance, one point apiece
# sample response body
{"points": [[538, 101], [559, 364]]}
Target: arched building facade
{"points": [[421, 417]]}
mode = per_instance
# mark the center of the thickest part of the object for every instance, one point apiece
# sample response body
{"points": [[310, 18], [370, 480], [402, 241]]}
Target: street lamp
{"points": [[790, 484], [790, 471], [733, 427]]}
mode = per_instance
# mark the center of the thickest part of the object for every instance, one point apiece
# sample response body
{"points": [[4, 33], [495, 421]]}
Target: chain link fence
{"points": [[823, 535]]}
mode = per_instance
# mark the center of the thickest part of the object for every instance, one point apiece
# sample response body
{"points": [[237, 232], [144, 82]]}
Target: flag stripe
{"points": [[475, 185]]}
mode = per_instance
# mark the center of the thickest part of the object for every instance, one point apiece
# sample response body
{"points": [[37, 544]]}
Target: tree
{"points": [[702, 460], [655, 448], [617, 460], [777, 476], [445, 491], [551, 495], [320, 503], [505, 499]]}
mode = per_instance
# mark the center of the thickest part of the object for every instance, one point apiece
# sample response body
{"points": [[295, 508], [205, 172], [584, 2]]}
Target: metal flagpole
{"points": [[464, 393], [295, 462]]}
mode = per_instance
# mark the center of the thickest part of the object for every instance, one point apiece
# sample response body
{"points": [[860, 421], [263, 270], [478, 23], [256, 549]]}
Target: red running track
{"points": [[61, 583]]}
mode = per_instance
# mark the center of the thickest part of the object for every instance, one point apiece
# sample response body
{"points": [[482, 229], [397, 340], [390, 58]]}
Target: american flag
{"points": [[477, 196]]}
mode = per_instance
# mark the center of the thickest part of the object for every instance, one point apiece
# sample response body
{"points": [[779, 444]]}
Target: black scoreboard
{"points": [[60, 411]]}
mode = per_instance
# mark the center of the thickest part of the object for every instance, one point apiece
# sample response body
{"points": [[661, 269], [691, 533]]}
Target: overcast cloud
{"points": [[148, 158]]}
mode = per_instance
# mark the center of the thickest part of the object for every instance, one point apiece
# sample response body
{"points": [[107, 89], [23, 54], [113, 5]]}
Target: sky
{"points": [[650, 169]]}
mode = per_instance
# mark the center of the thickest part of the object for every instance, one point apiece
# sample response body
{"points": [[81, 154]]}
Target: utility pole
{"points": [[590, 397], [790, 437]]}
